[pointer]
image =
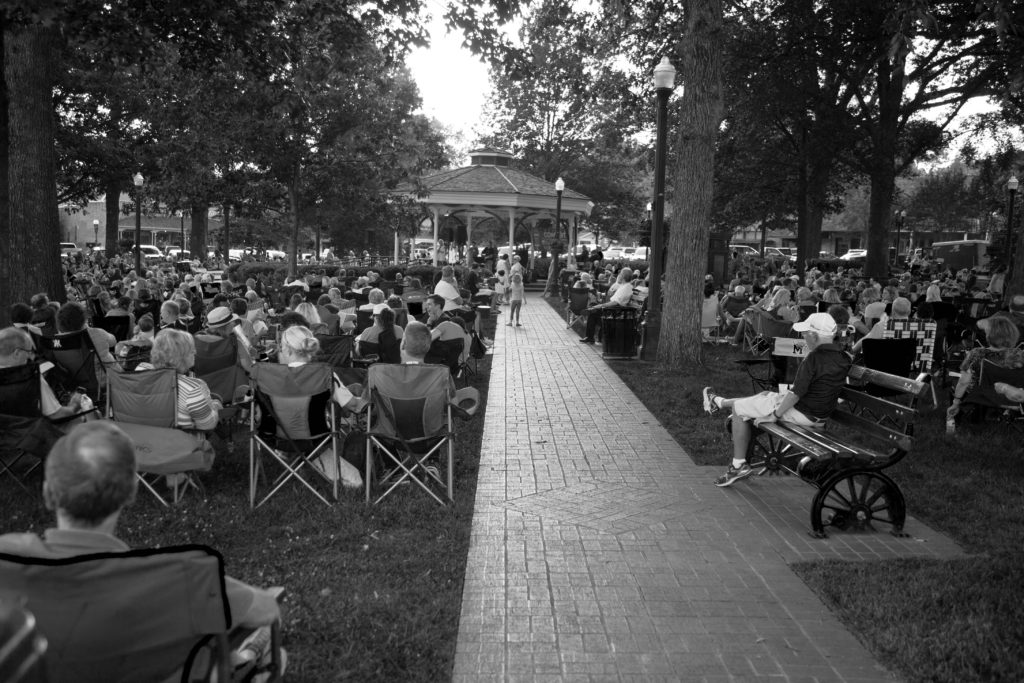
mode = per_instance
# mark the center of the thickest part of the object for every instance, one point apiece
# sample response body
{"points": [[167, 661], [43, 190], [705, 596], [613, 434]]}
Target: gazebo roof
{"points": [[490, 183], [494, 179]]}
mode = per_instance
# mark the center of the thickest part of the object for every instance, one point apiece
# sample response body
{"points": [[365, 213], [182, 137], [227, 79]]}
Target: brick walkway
{"points": [[601, 552]]}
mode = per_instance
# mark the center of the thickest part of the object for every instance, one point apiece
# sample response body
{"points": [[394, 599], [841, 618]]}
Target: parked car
{"points": [[177, 254], [151, 253], [636, 253], [743, 250], [613, 253], [854, 254], [69, 249], [778, 254]]}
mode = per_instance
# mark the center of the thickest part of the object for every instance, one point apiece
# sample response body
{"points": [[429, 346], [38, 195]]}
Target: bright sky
{"points": [[452, 82]]}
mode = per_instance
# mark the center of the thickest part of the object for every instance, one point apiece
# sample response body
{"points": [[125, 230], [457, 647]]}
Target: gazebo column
{"points": [[511, 233], [437, 218], [469, 236]]}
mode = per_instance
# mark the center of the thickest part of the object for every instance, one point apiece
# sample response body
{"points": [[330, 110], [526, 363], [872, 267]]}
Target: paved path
{"points": [[600, 552]]}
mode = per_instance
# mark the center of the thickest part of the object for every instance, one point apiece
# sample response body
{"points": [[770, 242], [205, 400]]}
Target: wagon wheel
{"points": [[771, 455], [858, 500]]}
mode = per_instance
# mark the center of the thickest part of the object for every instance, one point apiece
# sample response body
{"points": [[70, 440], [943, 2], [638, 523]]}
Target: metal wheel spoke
{"points": [[841, 497]]}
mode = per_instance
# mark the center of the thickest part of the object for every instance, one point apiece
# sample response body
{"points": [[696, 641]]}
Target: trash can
{"points": [[485, 323], [619, 332]]}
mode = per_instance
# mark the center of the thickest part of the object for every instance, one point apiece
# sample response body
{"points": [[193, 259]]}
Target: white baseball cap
{"points": [[819, 323]]}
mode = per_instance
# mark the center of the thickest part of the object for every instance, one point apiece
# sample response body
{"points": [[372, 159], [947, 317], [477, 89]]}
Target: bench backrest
{"points": [[888, 422]]}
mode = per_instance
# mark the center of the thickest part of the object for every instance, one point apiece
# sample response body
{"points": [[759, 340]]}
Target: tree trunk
{"points": [[200, 230], [112, 212], [293, 238], [883, 163], [5, 201], [816, 195], [31, 254], [701, 113], [227, 232]]}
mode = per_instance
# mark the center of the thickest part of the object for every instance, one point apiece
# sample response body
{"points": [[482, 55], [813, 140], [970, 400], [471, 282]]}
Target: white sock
{"points": [[737, 463]]}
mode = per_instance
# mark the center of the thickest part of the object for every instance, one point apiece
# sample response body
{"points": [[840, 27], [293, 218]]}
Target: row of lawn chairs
{"points": [[145, 404]]}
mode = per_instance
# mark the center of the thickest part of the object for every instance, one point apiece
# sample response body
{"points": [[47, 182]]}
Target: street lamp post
{"points": [[664, 82], [1011, 188], [139, 181], [559, 188], [95, 233]]}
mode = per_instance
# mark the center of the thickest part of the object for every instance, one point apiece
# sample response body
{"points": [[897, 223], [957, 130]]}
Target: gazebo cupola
{"points": [[489, 156]]}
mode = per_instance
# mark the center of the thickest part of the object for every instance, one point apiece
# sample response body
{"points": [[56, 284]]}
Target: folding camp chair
{"points": [[335, 350], [410, 426], [145, 405], [26, 436], [983, 399], [293, 424], [74, 358], [891, 356], [217, 363], [364, 319], [447, 349], [137, 615], [760, 329], [22, 648], [119, 325], [579, 301], [924, 332]]}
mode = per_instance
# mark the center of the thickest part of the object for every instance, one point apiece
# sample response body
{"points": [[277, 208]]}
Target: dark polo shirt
{"points": [[821, 376]]}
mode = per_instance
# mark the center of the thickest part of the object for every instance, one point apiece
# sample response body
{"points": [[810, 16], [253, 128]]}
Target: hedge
{"points": [[240, 272]]}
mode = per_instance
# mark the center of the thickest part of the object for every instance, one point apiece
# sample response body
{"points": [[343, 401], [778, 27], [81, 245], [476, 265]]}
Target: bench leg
{"points": [[858, 500]]}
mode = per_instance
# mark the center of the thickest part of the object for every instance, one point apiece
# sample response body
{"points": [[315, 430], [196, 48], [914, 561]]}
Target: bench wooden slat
{"points": [[912, 387], [785, 432], [871, 428]]}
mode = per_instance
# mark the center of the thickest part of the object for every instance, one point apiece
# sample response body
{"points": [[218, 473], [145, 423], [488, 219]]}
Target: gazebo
{"points": [[491, 188]]}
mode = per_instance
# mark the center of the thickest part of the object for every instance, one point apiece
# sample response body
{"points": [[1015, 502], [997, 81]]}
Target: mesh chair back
{"points": [[75, 359], [293, 401], [217, 364], [410, 402], [119, 325], [892, 356], [364, 319], [924, 332], [150, 306], [20, 392], [147, 397], [990, 375], [579, 300], [136, 615], [335, 350]]}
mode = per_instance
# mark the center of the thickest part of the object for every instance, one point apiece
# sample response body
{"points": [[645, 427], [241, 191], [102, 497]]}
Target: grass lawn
{"points": [[956, 620], [373, 593]]}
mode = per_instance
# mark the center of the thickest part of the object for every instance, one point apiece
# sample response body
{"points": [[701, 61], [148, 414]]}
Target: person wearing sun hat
{"points": [[221, 322], [811, 399]]}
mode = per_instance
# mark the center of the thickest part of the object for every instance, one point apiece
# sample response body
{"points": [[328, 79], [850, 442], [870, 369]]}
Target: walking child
{"points": [[516, 297]]}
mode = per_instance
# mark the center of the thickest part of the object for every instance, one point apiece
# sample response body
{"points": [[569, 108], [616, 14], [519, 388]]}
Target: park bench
{"points": [[871, 429]]}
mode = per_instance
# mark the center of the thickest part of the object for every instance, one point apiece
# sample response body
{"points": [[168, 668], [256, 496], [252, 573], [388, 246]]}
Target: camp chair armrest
{"points": [[466, 402]]}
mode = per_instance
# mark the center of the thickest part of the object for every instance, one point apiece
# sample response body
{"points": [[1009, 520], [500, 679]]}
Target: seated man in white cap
{"points": [[809, 402]]}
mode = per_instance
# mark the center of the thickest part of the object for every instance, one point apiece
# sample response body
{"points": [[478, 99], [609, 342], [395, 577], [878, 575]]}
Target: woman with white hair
{"points": [[197, 408]]}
